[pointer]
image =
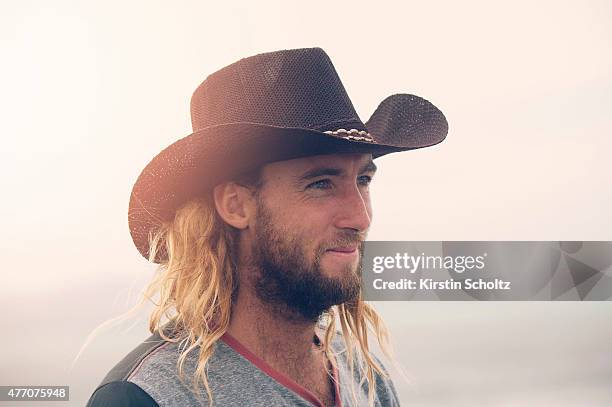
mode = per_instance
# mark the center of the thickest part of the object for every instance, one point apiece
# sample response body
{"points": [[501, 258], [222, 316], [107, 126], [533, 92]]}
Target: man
{"points": [[257, 220]]}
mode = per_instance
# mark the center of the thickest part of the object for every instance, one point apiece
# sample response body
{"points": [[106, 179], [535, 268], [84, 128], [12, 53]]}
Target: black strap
{"points": [[121, 394]]}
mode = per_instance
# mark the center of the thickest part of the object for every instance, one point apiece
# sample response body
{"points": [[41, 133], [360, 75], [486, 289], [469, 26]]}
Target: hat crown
{"points": [[296, 88]]}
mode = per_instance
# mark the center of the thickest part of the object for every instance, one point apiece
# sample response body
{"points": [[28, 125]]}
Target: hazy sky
{"points": [[93, 90]]}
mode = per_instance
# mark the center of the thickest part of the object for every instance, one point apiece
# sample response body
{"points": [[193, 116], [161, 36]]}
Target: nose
{"points": [[354, 209]]}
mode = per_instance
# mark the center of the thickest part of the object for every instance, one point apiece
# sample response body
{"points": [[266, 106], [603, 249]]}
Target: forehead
{"points": [[297, 165]]}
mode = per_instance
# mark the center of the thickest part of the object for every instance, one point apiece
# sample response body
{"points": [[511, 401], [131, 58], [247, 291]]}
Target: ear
{"points": [[234, 203]]}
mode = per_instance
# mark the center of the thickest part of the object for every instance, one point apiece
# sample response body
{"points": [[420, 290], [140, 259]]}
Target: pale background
{"points": [[90, 91]]}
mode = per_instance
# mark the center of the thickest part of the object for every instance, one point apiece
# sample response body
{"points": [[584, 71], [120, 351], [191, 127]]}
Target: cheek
{"points": [[310, 227]]}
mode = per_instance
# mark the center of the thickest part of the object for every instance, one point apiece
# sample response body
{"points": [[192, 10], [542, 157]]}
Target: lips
{"points": [[344, 249]]}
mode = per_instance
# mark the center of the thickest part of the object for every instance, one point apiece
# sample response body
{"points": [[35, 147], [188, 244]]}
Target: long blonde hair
{"points": [[195, 285]]}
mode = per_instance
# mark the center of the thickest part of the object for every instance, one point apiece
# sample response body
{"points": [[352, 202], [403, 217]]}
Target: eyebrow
{"points": [[333, 171]]}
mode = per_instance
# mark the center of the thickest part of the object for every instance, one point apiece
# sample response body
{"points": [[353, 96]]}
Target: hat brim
{"points": [[192, 165]]}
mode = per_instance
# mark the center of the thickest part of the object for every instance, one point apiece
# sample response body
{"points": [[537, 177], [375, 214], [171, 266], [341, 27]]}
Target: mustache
{"points": [[346, 238]]}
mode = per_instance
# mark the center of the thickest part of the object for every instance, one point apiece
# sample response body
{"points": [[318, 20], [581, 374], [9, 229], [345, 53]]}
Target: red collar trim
{"points": [[283, 379]]}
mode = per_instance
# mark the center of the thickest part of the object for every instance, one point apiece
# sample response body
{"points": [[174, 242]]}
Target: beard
{"points": [[289, 282]]}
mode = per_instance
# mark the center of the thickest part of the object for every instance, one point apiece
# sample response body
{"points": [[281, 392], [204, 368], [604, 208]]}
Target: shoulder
{"points": [[116, 389], [385, 389], [386, 394], [120, 394], [133, 360]]}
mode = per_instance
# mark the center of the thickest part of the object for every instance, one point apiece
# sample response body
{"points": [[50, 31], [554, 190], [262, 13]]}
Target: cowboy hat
{"points": [[271, 107]]}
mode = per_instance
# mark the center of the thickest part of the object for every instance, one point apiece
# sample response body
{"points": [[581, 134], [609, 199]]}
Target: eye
{"points": [[365, 180], [321, 184]]}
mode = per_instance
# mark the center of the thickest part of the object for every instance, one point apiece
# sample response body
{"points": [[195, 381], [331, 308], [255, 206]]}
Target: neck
{"points": [[271, 332]]}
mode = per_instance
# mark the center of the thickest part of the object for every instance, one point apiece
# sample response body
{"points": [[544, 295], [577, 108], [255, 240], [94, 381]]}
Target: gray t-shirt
{"points": [[148, 377]]}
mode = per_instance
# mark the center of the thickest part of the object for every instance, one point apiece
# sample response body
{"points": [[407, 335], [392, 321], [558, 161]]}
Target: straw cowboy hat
{"points": [[271, 107]]}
